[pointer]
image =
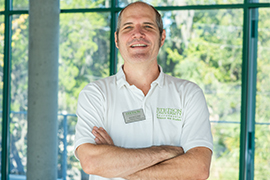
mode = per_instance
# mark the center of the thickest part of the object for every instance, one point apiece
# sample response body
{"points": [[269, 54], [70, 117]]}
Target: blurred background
{"points": [[222, 45]]}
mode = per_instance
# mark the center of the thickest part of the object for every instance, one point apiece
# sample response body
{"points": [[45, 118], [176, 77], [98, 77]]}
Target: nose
{"points": [[138, 32]]}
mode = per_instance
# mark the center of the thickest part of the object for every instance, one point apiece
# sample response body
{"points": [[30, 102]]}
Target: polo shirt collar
{"points": [[121, 78], [160, 80]]}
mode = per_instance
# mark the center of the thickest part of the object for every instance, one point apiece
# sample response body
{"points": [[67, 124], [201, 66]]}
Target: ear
{"points": [[163, 37], [116, 40]]}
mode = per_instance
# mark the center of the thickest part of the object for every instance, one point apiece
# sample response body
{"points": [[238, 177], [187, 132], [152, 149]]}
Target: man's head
{"points": [[140, 33], [158, 18]]}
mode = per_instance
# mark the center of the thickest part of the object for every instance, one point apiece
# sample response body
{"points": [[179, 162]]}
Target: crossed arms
{"points": [[156, 162]]}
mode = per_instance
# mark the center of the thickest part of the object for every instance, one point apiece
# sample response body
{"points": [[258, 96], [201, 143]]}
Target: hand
{"points": [[102, 137]]}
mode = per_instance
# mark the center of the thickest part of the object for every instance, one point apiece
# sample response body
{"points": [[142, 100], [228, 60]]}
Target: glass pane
{"points": [[123, 3], [73, 4], [259, 1], [2, 5], [20, 4], [205, 46], [2, 26], [262, 131], [84, 57], [18, 105]]}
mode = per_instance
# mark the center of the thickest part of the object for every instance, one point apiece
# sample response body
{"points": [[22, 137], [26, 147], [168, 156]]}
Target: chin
{"points": [[140, 56]]}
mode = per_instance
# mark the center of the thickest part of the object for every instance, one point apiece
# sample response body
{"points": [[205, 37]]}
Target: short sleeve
{"points": [[90, 113], [196, 128]]}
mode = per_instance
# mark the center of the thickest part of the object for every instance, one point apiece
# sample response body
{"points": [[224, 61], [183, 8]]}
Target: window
{"points": [[77, 4], [208, 42], [20, 4], [205, 46], [2, 5], [18, 91], [262, 127], [84, 57]]}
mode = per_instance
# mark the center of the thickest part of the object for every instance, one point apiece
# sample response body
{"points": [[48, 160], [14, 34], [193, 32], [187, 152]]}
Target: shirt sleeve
{"points": [[196, 128], [90, 111]]}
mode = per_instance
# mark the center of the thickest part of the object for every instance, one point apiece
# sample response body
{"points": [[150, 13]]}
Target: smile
{"points": [[138, 45]]}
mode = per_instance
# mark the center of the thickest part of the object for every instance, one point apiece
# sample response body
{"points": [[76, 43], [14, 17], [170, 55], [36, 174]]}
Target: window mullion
{"points": [[252, 76], [6, 93], [113, 51], [248, 93]]}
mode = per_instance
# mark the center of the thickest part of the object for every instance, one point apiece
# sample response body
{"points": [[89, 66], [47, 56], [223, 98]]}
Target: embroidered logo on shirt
{"points": [[169, 113]]}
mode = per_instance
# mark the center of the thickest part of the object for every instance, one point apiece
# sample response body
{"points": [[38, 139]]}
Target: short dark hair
{"points": [[158, 18]]}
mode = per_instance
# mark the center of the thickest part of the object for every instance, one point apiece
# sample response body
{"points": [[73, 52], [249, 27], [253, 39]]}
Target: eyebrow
{"points": [[149, 23], [130, 23]]}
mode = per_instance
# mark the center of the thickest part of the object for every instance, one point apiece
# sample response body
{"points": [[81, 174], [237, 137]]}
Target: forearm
{"points": [[192, 165], [111, 161]]}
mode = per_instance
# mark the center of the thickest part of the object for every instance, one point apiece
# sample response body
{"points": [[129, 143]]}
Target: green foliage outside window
{"points": [[73, 4], [262, 131], [84, 57], [84, 54], [206, 47], [20, 4]]}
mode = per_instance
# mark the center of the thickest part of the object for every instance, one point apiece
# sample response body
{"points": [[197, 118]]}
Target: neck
{"points": [[141, 77]]}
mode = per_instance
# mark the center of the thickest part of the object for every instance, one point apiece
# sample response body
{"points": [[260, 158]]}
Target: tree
{"points": [[262, 131], [84, 57], [206, 47]]}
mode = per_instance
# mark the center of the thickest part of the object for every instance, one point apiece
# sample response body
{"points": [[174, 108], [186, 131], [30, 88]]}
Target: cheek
{"points": [[159, 42], [121, 41]]}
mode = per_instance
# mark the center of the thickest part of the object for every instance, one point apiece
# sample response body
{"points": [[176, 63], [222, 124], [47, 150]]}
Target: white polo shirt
{"points": [[175, 113]]}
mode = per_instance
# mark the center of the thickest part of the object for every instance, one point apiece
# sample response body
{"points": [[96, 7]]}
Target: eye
{"points": [[127, 27], [148, 27]]}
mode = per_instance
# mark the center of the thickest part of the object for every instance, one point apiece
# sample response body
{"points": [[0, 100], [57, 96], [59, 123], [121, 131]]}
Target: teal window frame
{"points": [[6, 86], [249, 72]]}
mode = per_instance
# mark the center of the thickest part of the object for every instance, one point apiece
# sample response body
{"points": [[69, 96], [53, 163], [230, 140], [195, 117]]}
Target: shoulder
{"points": [[100, 85], [181, 84], [98, 89]]}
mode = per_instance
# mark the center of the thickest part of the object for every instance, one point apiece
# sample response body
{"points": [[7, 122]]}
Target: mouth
{"points": [[138, 45]]}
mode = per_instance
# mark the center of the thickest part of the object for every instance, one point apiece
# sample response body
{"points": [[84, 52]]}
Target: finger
{"points": [[105, 135], [98, 142], [101, 136], [98, 137]]}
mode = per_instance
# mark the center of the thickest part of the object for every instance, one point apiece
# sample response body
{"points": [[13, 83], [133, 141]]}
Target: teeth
{"points": [[138, 45]]}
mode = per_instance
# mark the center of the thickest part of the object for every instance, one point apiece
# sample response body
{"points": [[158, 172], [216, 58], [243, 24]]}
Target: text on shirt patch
{"points": [[134, 116], [169, 113]]}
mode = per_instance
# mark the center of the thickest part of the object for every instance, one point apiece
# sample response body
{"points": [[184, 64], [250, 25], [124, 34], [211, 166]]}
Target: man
{"points": [[142, 123]]}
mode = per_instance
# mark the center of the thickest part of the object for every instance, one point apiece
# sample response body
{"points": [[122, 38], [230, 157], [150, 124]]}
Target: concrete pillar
{"points": [[43, 89]]}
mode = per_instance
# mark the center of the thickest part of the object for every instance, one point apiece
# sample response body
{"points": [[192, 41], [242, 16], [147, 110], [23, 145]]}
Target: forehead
{"points": [[138, 12]]}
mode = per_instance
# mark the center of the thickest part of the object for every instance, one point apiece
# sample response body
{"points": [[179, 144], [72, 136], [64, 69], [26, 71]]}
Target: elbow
{"points": [[91, 166], [204, 172], [204, 175], [92, 160], [88, 167]]}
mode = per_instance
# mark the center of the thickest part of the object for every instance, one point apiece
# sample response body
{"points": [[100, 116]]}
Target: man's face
{"points": [[139, 39]]}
